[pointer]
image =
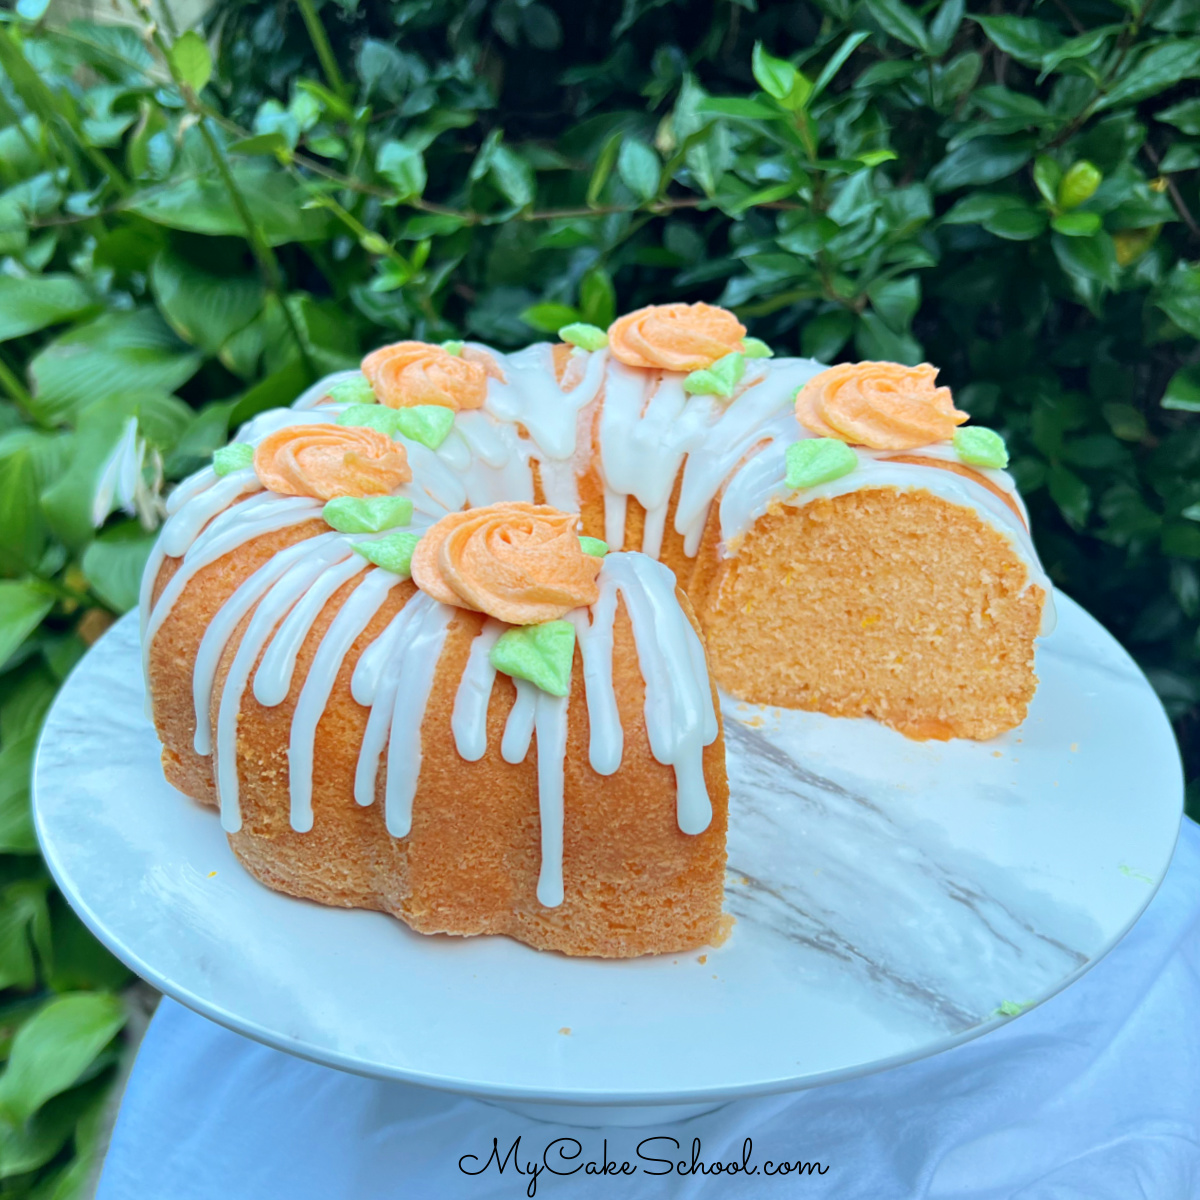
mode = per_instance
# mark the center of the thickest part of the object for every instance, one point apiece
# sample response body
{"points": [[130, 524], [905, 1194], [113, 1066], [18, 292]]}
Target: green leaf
{"points": [[1047, 175], [204, 307], [201, 204], [876, 341], [896, 301], [549, 317], [739, 108], [639, 168], [393, 552], [1017, 224], [776, 76], [358, 390], [1078, 184], [22, 607], [753, 347], [237, 456], [1183, 391], [838, 58], [945, 25], [114, 563], [27, 305], [1179, 297], [983, 160], [593, 546], [1027, 39], [542, 654], [273, 143], [16, 820], [899, 20], [1092, 257], [24, 922], [813, 461], [367, 514], [191, 60], [598, 298], [1076, 224], [1185, 116], [403, 167], [55, 1047], [118, 353], [1162, 66], [1071, 494], [824, 336]]}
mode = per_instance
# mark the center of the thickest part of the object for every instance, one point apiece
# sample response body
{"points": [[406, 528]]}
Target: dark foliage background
{"points": [[195, 224]]}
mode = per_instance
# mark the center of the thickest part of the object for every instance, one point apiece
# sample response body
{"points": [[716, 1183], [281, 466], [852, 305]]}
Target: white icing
{"points": [[468, 722], [551, 724], [317, 553], [273, 679], [417, 655], [320, 389], [680, 719], [351, 619], [518, 729], [233, 528], [606, 738], [290, 587]]}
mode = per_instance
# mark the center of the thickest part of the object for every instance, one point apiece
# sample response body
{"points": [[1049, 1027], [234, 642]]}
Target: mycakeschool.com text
{"points": [[532, 1162]]}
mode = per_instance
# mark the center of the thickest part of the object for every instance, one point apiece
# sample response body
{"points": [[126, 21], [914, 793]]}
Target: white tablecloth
{"points": [[1095, 1094]]}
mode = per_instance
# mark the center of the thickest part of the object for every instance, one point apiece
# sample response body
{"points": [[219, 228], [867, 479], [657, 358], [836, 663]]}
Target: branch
{"points": [[1177, 200]]}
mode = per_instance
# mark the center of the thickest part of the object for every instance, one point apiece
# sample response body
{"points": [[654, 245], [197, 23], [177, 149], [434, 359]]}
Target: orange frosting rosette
{"points": [[520, 563], [880, 405], [675, 337], [408, 374], [326, 461]]}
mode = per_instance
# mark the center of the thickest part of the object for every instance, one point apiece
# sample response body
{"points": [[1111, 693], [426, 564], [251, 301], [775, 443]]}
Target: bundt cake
{"points": [[361, 617]]}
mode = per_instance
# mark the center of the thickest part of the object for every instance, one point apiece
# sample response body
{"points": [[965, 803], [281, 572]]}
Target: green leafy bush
{"points": [[194, 225]]}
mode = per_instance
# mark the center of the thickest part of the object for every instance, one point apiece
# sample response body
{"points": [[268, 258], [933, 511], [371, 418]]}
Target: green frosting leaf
{"points": [[352, 391], [373, 416], [540, 653], [453, 347], [367, 514], [428, 424], [392, 553], [1010, 1008], [718, 380], [586, 337], [818, 460], [979, 447], [593, 546], [233, 457], [755, 348]]}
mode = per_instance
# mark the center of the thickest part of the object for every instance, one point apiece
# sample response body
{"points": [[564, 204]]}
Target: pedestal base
{"points": [[597, 1116]]}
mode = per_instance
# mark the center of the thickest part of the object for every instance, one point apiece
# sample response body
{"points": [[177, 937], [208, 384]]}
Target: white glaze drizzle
{"points": [[418, 654], [229, 616], [468, 722], [518, 729], [550, 721], [351, 619], [233, 528], [290, 587]]}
